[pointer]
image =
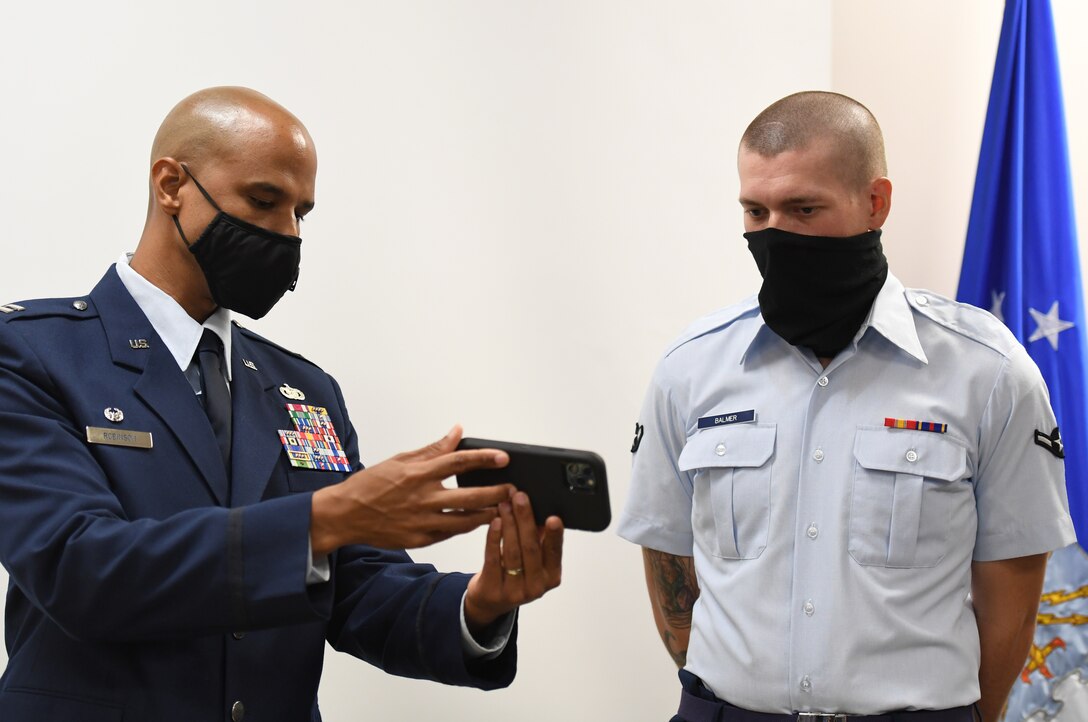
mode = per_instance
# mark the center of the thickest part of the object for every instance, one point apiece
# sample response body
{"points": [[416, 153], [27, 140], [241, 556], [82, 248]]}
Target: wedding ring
{"points": [[514, 572]]}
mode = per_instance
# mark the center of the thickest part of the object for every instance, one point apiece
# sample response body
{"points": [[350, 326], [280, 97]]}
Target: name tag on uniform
{"points": [[119, 437], [736, 417]]}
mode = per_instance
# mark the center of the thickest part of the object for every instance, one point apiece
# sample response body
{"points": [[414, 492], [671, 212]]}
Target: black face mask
{"points": [[817, 290], [248, 268]]}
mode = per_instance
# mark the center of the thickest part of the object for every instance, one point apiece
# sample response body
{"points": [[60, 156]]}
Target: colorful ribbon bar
{"points": [[916, 425], [313, 444]]}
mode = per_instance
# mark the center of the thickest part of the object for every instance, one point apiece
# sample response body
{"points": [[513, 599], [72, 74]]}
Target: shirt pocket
{"points": [[31, 704], [300, 480], [731, 504], [905, 488]]}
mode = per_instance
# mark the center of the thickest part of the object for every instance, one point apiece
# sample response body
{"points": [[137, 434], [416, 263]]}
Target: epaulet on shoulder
{"points": [[76, 307], [261, 339], [715, 321], [969, 321]]}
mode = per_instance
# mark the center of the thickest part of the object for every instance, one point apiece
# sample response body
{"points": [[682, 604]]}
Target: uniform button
{"points": [[806, 684], [79, 305], [818, 455], [237, 711], [812, 531], [808, 607], [720, 449], [822, 381], [238, 635], [912, 456], [922, 300]]}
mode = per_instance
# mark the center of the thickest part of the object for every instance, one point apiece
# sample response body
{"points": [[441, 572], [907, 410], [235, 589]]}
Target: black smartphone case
{"points": [[567, 483]]}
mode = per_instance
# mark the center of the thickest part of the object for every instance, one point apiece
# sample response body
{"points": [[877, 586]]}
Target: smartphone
{"points": [[566, 483]]}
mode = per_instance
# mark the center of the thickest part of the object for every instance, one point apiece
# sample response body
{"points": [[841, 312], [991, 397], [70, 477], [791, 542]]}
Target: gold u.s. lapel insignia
{"points": [[313, 443]]}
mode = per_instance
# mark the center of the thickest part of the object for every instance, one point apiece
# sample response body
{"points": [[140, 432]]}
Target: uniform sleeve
{"points": [[1019, 486], [405, 617], [72, 552], [657, 513]]}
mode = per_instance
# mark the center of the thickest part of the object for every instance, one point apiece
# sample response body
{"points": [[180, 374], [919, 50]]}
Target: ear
{"points": [[880, 202], [167, 177]]}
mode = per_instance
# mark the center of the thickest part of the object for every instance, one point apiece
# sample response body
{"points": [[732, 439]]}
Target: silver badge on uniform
{"points": [[114, 415], [292, 393]]}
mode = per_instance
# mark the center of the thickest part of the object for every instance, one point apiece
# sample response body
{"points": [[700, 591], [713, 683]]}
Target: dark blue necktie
{"points": [[216, 396]]}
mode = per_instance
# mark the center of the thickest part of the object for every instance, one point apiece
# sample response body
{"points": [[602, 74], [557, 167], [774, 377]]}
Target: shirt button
{"points": [[922, 300], [812, 531], [818, 455], [238, 635], [912, 456], [79, 305], [806, 684], [822, 381], [720, 449], [809, 608], [238, 711]]}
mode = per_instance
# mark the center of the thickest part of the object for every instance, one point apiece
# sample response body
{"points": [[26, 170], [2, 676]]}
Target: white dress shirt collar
{"points": [[177, 329], [892, 317]]}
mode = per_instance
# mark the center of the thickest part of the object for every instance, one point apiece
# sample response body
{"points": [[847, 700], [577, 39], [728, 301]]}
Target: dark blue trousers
{"points": [[698, 704]]}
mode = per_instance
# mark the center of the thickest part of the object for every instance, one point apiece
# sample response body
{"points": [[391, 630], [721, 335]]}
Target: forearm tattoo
{"points": [[676, 590]]}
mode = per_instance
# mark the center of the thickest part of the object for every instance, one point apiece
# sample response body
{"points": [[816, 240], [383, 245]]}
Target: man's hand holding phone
{"points": [[401, 502], [522, 562]]}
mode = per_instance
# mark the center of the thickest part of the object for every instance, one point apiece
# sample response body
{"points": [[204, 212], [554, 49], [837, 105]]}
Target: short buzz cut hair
{"points": [[795, 121]]}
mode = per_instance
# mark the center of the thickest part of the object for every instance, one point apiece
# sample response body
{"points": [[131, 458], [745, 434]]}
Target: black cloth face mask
{"points": [[248, 268], [817, 290]]}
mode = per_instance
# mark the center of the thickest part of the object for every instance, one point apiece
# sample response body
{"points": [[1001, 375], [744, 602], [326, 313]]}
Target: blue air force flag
{"points": [[1021, 262]]}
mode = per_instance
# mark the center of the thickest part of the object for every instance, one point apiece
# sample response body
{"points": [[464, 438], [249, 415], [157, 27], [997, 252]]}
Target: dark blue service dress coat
{"points": [[143, 585]]}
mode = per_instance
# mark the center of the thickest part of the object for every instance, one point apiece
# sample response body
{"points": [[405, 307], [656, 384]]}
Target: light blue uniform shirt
{"points": [[834, 554]]}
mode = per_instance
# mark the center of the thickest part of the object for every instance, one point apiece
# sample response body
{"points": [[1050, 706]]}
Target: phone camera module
{"points": [[580, 478]]}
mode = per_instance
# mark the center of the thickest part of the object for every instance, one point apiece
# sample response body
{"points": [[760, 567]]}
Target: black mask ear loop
{"points": [[203, 193]]}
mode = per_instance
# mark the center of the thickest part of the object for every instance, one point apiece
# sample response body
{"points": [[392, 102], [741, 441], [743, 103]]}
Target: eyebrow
{"points": [[791, 201], [275, 190]]}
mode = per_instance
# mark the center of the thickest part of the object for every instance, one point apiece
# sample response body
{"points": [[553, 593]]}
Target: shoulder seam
{"points": [[48, 307], [925, 311], [712, 322]]}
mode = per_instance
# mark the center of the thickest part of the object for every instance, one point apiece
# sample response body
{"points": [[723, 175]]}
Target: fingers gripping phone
{"points": [[567, 483]]}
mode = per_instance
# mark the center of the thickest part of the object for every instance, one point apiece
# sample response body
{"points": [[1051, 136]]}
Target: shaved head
{"points": [[798, 121], [255, 162], [220, 123]]}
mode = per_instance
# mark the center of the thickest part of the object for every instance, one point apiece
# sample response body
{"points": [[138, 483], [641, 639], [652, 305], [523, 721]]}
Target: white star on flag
{"points": [[995, 309], [1049, 325]]}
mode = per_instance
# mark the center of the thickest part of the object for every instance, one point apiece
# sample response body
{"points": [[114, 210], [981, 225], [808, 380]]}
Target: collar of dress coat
{"points": [[175, 327], [891, 316]]}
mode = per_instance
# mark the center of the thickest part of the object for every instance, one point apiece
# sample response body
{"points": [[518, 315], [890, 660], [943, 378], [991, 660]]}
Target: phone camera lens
{"points": [[580, 478]]}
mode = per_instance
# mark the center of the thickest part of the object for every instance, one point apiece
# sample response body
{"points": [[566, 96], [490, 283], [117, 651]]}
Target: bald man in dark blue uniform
{"points": [[183, 514]]}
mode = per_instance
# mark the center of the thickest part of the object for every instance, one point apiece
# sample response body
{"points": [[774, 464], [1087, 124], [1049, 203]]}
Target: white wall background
{"points": [[519, 205]]}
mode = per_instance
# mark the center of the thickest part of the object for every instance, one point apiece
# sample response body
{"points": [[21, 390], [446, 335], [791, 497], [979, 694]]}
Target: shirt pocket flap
{"points": [[729, 446], [299, 480], [918, 453]]}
